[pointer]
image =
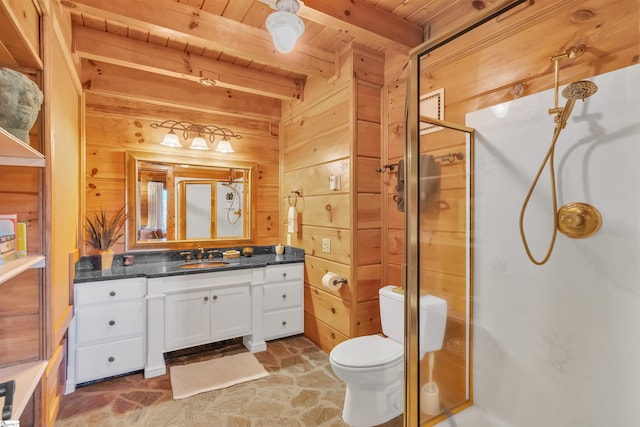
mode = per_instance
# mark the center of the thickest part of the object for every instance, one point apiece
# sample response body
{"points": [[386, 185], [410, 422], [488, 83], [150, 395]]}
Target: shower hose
{"points": [[550, 158]]}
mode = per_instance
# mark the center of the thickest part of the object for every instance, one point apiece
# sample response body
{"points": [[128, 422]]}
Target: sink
{"points": [[204, 264]]}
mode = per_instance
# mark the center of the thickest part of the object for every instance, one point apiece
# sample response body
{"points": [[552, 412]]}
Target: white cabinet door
{"points": [[187, 320], [230, 312]]}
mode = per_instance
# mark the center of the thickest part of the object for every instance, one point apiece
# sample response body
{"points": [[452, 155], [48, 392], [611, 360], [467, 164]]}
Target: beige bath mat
{"points": [[198, 377]]}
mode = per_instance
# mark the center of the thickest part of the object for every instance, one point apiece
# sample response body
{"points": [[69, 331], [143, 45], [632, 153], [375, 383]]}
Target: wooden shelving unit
{"points": [[27, 376], [14, 152], [13, 267]]}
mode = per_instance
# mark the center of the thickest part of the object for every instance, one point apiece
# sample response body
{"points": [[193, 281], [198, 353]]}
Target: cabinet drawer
{"points": [[110, 291], [105, 360], [284, 272], [283, 323], [112, 321], [282, 295]]}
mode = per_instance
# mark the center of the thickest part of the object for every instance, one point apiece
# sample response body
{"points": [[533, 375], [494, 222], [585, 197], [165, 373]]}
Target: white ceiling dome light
{"points": [[284, 25]]}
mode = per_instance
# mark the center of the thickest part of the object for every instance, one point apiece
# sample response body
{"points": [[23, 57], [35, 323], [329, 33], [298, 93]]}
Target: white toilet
{"points": [[372, 366]]}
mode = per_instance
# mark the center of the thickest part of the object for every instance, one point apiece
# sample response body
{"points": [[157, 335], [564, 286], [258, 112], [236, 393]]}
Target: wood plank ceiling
{"points": [[226, 41]]}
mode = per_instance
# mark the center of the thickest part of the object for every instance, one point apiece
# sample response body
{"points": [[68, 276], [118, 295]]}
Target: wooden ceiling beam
{"points": [[365, 22], [127, 83], [186, 24], [19, 39], [105, 47]]}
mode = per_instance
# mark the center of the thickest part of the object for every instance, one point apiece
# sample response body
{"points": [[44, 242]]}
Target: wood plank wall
{"points": [[336, 130], [503, 60], [115, 125]]}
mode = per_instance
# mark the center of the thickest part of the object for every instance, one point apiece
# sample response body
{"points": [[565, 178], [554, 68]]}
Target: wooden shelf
{"points": [[14, 152], [27, 377], [13, 267]]}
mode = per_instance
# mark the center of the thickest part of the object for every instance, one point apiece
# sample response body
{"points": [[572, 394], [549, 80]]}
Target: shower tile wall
{"points": [[558, 344]]}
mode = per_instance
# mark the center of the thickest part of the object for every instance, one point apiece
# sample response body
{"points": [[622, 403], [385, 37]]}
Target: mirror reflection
{"points": [[185, 201]]}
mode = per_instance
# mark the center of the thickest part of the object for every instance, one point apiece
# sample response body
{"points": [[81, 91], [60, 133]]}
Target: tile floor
{"points": [[301, 391]]}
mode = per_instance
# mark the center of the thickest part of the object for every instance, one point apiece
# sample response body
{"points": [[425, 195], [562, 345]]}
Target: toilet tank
{"points": [[432, 318], [392, 313]]}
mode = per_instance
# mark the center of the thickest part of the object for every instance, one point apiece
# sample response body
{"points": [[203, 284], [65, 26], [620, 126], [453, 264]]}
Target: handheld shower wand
{"points": [[576, 90]]}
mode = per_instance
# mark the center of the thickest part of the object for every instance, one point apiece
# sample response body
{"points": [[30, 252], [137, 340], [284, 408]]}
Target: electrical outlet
{"points": [[326, 245]]}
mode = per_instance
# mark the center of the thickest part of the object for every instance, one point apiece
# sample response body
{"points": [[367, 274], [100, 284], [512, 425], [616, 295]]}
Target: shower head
{"points": [[579, 90]]}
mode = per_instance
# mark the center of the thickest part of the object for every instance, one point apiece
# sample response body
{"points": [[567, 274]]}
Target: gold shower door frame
{"points": [[413, 415]]}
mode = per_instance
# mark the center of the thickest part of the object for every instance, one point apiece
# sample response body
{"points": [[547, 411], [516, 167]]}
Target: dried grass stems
{"points": [[104, 231]]}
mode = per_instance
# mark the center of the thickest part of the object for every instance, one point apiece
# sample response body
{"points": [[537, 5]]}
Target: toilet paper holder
{"points": [[333, 281]]}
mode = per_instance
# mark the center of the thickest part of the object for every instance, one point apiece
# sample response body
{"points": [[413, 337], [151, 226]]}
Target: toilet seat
{"points": [[367, 352]]}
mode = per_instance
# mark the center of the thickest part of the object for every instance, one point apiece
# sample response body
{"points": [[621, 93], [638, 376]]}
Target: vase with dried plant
{"points": [[102, 232]]}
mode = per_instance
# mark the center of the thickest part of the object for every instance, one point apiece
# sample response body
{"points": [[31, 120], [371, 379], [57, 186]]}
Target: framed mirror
{"points": [[180, 202]]}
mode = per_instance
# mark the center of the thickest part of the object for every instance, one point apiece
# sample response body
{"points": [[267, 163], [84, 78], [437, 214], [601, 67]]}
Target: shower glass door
{"points": [[439, 264]]}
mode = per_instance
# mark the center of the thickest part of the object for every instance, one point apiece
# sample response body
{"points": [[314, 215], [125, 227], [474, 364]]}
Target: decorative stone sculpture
{"points": [[20, 100]]}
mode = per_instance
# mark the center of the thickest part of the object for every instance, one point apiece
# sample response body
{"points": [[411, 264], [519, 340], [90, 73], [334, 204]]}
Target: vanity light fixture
{"points": [[199, 142], [284, 25], [171, 140], [224, 146]]}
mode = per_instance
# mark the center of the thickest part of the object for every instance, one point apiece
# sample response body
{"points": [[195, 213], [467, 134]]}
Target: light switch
{"points": [[334, 182]]}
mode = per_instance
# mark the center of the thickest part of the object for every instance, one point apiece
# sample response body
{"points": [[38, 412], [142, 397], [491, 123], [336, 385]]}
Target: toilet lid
{"points": [[367, 351]]}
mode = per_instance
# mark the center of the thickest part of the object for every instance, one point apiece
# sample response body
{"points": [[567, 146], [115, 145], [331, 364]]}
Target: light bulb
{"points": [[224, 146], [285, 28], [199, 143], [171, 140]]}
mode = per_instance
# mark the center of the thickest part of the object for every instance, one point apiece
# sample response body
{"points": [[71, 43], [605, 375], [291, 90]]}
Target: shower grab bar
{"points": [[449, 157]]}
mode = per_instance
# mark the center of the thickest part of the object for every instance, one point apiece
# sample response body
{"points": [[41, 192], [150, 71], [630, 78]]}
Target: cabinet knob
{"points": [[111, 359], [284, 296], [112, 294], [284, 323], [333, 335], [215, 297], [284, 275], [206, 299], [112, 322], [333, 310]]}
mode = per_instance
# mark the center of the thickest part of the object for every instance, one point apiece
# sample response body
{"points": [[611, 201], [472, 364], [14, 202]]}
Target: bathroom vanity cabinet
{"points": [[201, 308], [125, 325], [107, 334], [283, 311], [207, 315]]}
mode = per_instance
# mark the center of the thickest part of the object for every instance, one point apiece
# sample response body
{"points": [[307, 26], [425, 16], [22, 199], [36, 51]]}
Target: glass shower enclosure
{"points": [[439, 240]]}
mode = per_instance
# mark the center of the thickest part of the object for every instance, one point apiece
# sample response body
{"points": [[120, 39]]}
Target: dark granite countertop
{"points": [[167, 263]]}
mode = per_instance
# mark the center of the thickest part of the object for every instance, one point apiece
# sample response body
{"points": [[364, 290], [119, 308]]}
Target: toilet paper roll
{"points": [[332, 281]]}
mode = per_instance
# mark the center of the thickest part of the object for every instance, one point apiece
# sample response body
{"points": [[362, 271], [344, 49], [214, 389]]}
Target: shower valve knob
{"points": [[578, 220]]}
